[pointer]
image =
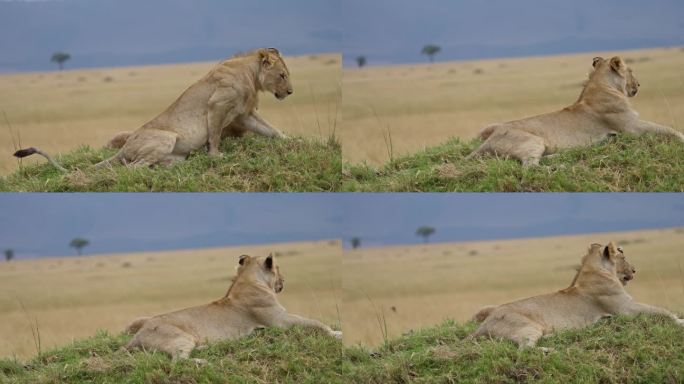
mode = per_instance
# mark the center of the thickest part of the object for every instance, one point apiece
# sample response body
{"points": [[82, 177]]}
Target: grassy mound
{"points": [[642, 350], [297, 356], [250, 164], [626, 163], [620, 350]]}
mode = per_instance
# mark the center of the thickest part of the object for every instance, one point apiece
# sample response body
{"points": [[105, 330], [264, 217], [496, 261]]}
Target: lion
{"points": [[222, 103], [625, 273], [250, 303], [596, 292], [601, 111]]}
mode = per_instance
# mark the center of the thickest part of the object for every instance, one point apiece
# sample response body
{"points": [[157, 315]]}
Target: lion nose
{"points": [[289, 91], [633, 270]]}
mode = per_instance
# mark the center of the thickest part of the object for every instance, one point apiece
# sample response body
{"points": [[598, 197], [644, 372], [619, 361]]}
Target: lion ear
{"points": [[265, 58], [610, 251], [617, 64], [597, 60], [269, 261], [274, 51], [242, 259]]}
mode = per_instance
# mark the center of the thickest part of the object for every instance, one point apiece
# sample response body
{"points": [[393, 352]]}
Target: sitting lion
{"points": [[250, 303], [602, 110], [223, 102], [596, 292]]}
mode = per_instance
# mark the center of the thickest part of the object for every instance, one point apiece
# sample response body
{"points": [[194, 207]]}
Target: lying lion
{"points": [[602, 110], [596, 292], [250, 303], [222, 103], [625, 273]]}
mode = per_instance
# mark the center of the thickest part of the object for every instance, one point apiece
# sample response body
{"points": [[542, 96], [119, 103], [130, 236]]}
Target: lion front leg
{"points": [[220, 113], [255, 123], [641, 127], [638, 308], [287, 320]]}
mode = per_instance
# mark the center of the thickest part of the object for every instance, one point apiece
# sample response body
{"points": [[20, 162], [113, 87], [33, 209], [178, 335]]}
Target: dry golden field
{"points": [[422, 105], [429, 283], [58, 111], [73, 297]]}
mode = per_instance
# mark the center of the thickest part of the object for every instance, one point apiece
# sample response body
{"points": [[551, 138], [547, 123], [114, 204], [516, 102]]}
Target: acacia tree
{"points": [[355, 242], [430, 50], [79, 243], [9, 254], [361, 61], [60, 58], [425, 232]]}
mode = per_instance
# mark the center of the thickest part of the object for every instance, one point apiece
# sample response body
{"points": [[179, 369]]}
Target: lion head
{"points": [[274, 76], [625, 271], [610, 259], [263, 270], [617, 74]]}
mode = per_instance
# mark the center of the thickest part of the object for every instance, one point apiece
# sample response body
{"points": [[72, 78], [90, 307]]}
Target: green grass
{"points": [[636, 350], [249, 164], [625, 163]]}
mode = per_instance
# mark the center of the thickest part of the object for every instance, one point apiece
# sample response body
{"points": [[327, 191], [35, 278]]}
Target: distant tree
{"points": [[361, 61], [60, 58], [9, 254], [78, 244], [355, 242], [425, 232], [430, 50]]}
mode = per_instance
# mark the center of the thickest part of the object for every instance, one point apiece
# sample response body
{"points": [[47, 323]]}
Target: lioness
{"points": [[225, 100], [250, 303], [625, 273], [597, 292], [602, 110]]}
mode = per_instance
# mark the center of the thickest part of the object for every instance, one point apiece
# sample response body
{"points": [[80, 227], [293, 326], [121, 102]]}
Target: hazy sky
{"points": [[128, 32], [43, 224], [393, 218]]}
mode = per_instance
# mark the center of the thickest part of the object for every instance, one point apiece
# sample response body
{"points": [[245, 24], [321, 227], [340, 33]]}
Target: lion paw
{"points": [[199, 362], [336, 334]]}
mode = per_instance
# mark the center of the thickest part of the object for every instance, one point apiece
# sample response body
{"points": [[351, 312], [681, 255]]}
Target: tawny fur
{"points": [[597, 292], [250, 303], [602, 110]]}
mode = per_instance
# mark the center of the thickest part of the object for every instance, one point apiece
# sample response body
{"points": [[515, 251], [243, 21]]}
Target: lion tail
{"points": [[114, 159], [135, 326], [31, 150], [483, 313]]}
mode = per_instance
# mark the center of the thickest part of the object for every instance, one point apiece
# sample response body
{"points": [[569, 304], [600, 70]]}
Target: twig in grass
{"points": [[35, 329], [11, 131], [337, 111], [669, 109], [386, 137], [337, 306], [318, 121], [380, 318]]}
